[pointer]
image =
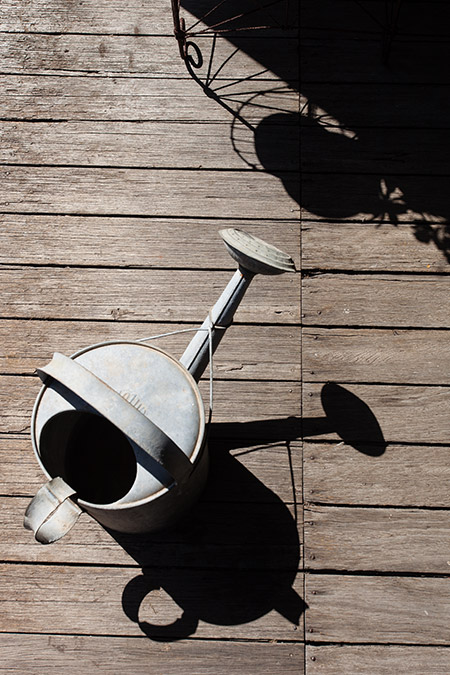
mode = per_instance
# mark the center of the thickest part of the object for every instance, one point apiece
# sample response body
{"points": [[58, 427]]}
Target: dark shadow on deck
{"points": [[232, 559], [235, 556], [375, 132], [264, 126], [345, 414]]}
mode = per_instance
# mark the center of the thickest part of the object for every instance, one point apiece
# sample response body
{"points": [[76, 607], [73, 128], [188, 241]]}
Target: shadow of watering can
{"points": [[119, 427]]}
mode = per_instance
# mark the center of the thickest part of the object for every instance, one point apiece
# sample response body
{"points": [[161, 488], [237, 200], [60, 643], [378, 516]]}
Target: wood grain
{"points": [[377, 609], [402, 475], [378, 414], [139, 295], [139, 19], [143, 145], [386, 540], [376, 355], [75, 98], [146, 55], [174, 243], [102, 123], [88, 601], [383, 659], [98, 18], [32, 654], [242, 409], [366, 247], [114, 162], [28, 344], [140, 192], [91, 17], [376, 300]]}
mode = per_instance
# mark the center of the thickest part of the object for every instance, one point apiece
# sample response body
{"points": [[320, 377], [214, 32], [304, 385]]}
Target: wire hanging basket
{"points": [[223, 18], [228, 49]]}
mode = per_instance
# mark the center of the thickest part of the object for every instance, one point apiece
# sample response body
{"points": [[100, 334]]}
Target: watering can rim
{"points": [[198, 445]]}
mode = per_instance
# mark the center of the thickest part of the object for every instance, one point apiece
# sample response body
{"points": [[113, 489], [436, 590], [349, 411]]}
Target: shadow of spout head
{"points": [[352, 420]]}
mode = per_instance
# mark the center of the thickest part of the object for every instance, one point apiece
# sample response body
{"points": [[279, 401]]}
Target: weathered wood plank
{"points": [[277, 466], [220, 535], [66, 54], [101, 18], [54, 654], [242, 409], [22, 474], [389, 356], [384, 660], [90, 17], [365, 247], [137, 242], [387, 540], [140, 295], [141, 192], [246, 352], [235, 604], [402, 475], [146, 55], [377, 609], [136, 144], [376, 414], [376, 300], [30, 97]]}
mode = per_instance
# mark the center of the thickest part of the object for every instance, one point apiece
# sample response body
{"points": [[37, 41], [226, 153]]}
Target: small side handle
{"points": [[51, 513]]}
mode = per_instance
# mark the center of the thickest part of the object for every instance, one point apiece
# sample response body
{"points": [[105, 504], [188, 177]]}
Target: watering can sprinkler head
{"points": [[255, 255]]}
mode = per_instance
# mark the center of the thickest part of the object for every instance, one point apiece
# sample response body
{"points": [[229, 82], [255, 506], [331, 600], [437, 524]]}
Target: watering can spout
{"points": [[253, 256]]}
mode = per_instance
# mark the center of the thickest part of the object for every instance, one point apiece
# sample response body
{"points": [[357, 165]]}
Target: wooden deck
{"points": [[321, 545]]}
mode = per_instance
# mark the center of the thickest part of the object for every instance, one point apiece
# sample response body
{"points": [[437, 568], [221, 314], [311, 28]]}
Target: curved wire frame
{"points": [[222, 24], [209, 71]]}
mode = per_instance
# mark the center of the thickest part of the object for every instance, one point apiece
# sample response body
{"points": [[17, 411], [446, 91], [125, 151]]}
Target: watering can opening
{"points": [[97, 460]]}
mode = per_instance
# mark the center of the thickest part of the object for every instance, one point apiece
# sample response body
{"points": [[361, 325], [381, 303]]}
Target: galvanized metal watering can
{"points": [[119, 427]]}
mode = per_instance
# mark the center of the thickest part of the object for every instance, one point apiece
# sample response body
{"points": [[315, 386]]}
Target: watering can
{"points": [[119, 427]]}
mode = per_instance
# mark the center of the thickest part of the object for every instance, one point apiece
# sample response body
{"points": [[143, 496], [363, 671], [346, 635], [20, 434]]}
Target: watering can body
{"points": [[123, 425], [119, 427]]}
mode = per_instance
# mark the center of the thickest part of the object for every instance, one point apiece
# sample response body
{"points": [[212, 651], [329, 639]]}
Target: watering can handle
{"points": [[51, 513], [120, 412]]}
